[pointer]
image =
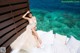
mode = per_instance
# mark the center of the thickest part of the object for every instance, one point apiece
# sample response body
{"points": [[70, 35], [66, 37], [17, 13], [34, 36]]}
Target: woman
{"points": [[32, 26], [28, 39]]}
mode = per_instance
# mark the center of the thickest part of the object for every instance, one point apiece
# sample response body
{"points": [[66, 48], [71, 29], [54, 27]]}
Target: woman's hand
{"points": [[24, 16], [28, 11]]}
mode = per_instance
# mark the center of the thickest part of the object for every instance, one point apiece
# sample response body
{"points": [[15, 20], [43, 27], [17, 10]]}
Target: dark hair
{"points": [[28, 15]]}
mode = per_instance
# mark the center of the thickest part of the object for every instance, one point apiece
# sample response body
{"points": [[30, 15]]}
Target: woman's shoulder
{"points": [[34, 17]]}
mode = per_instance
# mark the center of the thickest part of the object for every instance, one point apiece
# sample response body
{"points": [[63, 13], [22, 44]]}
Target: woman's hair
{"points": [[28, 15]]}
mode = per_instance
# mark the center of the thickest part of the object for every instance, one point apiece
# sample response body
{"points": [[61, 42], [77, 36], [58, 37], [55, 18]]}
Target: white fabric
{"points": [[59, 47], [73, 45], [33, 21], [25, 41], [47, 41], [78, 51], [47, 38], [50, 44], [40, 32], [61, 38], [45, 49]]}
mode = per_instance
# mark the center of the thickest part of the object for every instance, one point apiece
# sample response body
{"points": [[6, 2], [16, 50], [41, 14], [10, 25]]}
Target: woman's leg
{"points": [[36, 37]]}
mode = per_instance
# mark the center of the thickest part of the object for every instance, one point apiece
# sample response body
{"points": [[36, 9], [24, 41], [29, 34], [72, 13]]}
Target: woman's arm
{"points": [[24, 16]]}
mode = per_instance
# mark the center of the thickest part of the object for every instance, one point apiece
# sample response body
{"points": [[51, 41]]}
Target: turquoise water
{"points": [[62, 22], [61, 17]]}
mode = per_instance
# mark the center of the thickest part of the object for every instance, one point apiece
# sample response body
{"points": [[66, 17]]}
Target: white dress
{"points": [[30, 42], [26, 40]]}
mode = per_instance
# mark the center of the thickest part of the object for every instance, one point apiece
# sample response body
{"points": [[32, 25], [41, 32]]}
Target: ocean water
{"points": [[62, 18]]}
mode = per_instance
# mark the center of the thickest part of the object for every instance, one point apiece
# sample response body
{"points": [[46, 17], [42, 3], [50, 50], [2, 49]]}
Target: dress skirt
{"points": [[31, 41], [26, 41]]}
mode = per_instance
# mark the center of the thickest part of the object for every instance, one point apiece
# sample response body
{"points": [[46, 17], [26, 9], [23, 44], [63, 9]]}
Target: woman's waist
{"points": [[31, 25], [34, 24]]}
